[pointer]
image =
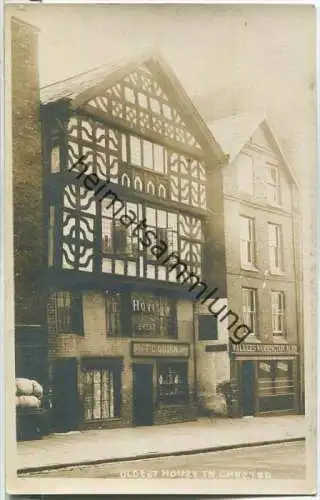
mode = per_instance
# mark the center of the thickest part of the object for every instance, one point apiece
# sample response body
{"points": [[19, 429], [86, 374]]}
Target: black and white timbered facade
{"points": [[124, 340]]}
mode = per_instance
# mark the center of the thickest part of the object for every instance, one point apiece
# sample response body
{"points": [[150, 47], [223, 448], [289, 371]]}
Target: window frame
{"points": [[202, 334], [143, 144], [74, 323], [164, 323], [279, 314], [275, 251], [112, 366], [170, 400], [273, 188], [251, 311], [250, 244]]}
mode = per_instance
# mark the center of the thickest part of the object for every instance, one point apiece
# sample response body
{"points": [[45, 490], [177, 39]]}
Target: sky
{"points": [[229, 58]]}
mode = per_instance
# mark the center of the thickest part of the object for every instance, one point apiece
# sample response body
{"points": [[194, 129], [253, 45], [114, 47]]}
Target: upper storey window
{"points": [[140, 102], [146, 154], [245, 174], [134, 162], [273, 185]]}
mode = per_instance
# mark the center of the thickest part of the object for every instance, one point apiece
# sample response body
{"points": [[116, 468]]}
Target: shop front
{"points": [[265, 378], [162, 383], [133, 364]]}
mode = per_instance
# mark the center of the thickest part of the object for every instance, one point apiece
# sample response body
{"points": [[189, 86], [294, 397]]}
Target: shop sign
{"points": [[268, 349], [153, 349]]}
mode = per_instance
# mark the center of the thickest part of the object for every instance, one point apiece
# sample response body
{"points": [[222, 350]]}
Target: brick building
{"points": [[263, 262], [122, 341], [29, 257]]}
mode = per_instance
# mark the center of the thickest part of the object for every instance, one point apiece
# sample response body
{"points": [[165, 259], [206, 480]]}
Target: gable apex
{"points": [[235, 132], [156, 80]]}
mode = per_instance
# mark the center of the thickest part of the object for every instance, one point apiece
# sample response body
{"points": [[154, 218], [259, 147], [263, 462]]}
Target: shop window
{"points": [[208, 327], [101, 391], [275, 385], [283, 383], [153, 316], [69, 312], [173, 383]]}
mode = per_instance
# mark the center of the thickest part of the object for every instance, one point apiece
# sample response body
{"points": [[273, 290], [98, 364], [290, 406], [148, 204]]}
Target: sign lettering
{"points": [[264, 348], [160, 349]]}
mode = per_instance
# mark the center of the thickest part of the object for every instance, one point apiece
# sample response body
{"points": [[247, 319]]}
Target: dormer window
{"points": [[273, 185]]}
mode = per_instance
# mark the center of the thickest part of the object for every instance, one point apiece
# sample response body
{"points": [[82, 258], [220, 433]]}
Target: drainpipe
{"points": [[194, 339]]}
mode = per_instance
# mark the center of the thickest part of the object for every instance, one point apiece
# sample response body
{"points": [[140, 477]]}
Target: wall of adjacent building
{"points": [[30, 332]]}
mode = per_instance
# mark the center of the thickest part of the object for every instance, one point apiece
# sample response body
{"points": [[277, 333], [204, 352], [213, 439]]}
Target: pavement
{"points": [[134, 443]]}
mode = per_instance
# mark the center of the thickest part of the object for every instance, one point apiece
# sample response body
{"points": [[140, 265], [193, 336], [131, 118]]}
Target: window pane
{"points": [[173, 383], [249, 308], [120, 237], [135, 151], [147, 154], [55, 159], [247, 240], [159, 159], [106, 235], [99, 392]]}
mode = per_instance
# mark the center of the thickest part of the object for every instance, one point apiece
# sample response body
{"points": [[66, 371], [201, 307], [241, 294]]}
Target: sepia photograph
{"points": [[160, 248]]}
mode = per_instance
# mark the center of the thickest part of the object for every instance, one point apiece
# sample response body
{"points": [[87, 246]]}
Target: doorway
{"points": [[66, 413], [142, 394], [247, 388]]}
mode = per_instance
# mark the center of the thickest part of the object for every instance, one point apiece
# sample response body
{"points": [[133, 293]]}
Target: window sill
{"points": [[279, 339], [275, 205], [252, 338], [253, 269], [276, 272]]}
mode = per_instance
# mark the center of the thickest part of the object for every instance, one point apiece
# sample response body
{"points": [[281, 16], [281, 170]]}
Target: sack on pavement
{"points": [[24, 386], [28, 401], [37, 389]]}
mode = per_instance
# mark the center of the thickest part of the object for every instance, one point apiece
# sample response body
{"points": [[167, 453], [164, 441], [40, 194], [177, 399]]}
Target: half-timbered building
{"points": [[126, 340]]}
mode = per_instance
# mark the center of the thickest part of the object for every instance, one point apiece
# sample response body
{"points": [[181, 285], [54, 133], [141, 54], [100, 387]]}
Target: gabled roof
{"points": [[80, 88], [234, 132]]}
